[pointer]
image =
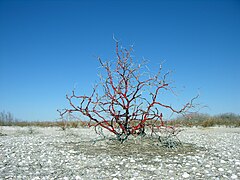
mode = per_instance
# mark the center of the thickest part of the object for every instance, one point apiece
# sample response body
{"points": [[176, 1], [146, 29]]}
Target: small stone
{"points": [[194, 168], [115, 178], [207, 166], [152, 169], [185, 175], [20, 163], [135, 174], [222, 161], [229, 171], [12, 155], [118, 172], [77, 177], [36, 178], [220, 169], [237, 163], [72, 151], [132, 161], [170, 171], [206, 171], [234, 176]]}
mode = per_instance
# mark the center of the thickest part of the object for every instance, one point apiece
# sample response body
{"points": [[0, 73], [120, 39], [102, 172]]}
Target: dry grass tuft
{"points": [[228, 120]]}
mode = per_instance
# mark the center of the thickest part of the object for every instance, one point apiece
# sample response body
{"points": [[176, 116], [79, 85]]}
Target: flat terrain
{"points": [[50, 153]]}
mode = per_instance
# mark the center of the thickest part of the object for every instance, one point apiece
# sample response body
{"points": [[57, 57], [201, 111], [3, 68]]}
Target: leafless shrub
{"points": [[130, 101]]}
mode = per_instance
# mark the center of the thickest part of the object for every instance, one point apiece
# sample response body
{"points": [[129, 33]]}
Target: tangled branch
{"points": [[130, 100]]}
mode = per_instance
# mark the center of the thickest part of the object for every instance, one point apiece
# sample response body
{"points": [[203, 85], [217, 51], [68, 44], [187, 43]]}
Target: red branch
{"points": [[124, 109]]}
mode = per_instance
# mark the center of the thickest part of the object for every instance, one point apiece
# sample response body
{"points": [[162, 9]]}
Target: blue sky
{"points": [[48, 46]]}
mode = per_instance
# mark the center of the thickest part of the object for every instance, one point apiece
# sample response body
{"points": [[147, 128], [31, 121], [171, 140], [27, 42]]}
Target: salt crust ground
{"points": [[50, 153]]}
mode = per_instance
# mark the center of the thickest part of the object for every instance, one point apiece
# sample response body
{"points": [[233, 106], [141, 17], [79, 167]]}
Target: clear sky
{"points": [[48, 46]]}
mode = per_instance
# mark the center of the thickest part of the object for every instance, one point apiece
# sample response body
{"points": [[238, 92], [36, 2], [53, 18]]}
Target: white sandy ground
{"points": [[50, 153]]}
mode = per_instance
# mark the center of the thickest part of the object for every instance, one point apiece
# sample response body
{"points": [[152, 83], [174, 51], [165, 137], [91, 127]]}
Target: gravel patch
{"points": [[50, 153]]}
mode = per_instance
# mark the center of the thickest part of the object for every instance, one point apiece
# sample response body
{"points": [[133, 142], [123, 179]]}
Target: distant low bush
{"points": [[204, 120], [6, 118]]}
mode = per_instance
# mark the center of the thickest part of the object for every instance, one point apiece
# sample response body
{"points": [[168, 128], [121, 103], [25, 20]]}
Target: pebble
{"points": [[237, 163], [229, 171], [220, 169], [207, 166], [132, 161], [234, 176], [194, 168], [77, 177], [185, 175], [222, 161], [51, 154]]}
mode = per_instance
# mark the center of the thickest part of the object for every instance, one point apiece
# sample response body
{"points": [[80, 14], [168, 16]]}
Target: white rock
{"points": [[194, 168], [225, 177], [185, 175], [20, 163], [222, 161], [220, 169], [206, 171], [132, 161], [118, 172], [234, 176], [12, 155], [170, 171], [237, 163], [72, 151], [207, 166], [135, 174], [152, 168], [36, 178], [229, 171], [77, 177]]}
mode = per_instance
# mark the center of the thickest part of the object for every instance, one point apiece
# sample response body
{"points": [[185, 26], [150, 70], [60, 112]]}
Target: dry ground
{"points": [[78, 153]]}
